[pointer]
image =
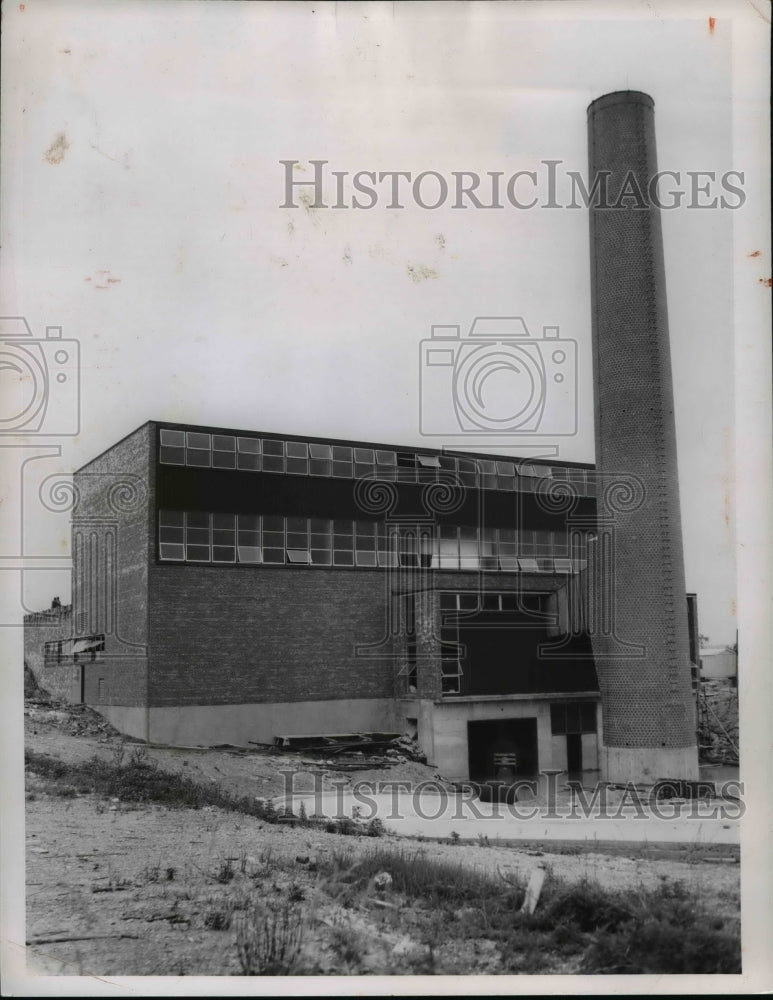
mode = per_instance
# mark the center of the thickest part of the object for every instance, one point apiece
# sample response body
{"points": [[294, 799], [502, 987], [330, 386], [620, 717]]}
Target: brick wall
{"points": [[112, 541], [233, 635]]}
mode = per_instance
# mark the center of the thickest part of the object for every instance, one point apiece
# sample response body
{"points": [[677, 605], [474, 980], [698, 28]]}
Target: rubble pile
{"points": [[718, 722]]}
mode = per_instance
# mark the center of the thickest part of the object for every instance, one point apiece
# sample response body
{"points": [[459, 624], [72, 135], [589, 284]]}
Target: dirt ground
{"points": [[117, 888]]}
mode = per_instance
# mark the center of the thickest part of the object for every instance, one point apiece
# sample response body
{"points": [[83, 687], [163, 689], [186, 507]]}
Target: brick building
{"points": [[232, 586]]}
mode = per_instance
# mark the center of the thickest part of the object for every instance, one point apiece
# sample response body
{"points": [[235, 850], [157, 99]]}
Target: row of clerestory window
{"points": [[205, 450]]}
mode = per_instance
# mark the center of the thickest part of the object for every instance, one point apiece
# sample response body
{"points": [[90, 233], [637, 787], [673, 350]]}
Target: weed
{"points": [[345, 942], [226, 873], [268, 940], [455, 838], [218, 919], [375, 828], [152, 873], [295, 894]]}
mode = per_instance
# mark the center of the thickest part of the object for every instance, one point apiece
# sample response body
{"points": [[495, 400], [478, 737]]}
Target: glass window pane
{"points": [[319, 467], [508, 563], [197, 553], [250, 538], [249, 446], [249, 554], [366, 558], [274, 447], [298, 556], [386, 458], [344, 543], [200, 459], [364, 455], [428, 461], [588, 717], [271, 522], [320, 558], [387, 558], [197, 519], [249, 463], [297, 449], [223, 460], [175, 438], [199, 536], [272, 463], [343, 558], [194, 439], [528, 565], [297, 523], [174, 552], [174, 518], [341, 453], [320, 451], [249, 522], [297, 540], [223, 520], [172, 456], [166, 534], [223, 553], [223, 536], [298, 466], [557, 720], [343, 470], [223, 442], [319, 525], [273, 555]]}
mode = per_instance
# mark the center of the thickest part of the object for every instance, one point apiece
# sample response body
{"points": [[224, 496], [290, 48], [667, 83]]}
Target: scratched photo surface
{"points": [[384, 407]]}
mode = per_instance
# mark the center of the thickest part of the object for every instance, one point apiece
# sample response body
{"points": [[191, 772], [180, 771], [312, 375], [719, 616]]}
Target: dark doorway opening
{"points": [[492, 741], [574, 753]]}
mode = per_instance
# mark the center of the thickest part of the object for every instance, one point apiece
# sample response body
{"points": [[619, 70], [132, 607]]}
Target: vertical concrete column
{"points": [[649, 721]]}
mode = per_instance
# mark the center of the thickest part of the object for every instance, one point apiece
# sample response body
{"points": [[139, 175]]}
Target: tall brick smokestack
{"points": [[643, 661]]}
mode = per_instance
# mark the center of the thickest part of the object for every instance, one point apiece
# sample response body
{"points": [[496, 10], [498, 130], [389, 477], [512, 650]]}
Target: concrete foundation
{"points": [[646, 765], [208, 725]]}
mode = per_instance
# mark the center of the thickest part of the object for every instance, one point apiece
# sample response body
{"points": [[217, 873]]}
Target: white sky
{"points": [[229, 310]]}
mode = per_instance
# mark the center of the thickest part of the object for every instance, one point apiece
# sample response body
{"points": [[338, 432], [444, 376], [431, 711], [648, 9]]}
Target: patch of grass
{"points": [[417, 876], [667, 931], [268, 940], [140, 779]]}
